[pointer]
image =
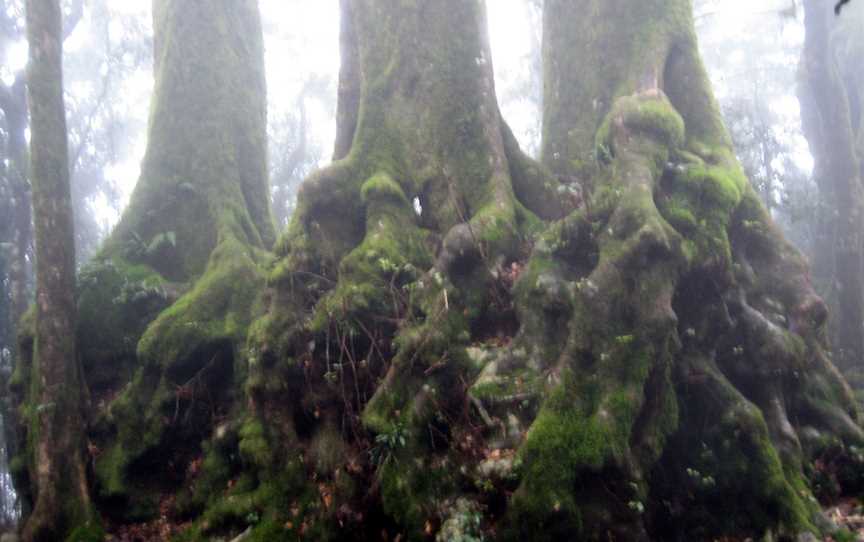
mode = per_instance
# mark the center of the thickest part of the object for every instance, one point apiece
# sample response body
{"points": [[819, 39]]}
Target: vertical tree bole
{"points": [[56, 441]]}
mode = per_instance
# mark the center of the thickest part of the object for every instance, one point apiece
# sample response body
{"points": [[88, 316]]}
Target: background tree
{"points": [[294, 150], [56, 439], [112, 51], [14, 105], [830, 108]]}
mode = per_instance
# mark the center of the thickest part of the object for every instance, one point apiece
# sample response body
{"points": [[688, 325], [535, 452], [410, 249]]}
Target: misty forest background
{"points": [[752, 51]]}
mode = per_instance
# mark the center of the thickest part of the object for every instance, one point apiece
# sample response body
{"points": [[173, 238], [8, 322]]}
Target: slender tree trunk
{"points": [[56, 439], [833, 135], [14, 106]]}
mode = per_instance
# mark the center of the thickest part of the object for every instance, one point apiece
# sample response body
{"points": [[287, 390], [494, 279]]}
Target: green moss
{"points": [[732, 470], [380, 413], [700, 201], [110, 473], [391, 254], [653, 115], [219, 466], [219, 307], [270, 509], [717, 186], [501, 387], [254, 446], [565, 442], [844, 535], [116, 301], [680, 215], [381, 186], [411, 489], [87, 533]]}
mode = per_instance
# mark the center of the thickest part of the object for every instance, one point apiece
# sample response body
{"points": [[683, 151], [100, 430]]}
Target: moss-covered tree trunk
{"points": [[199, 219], [203, 178], [831, 108], [398, 259], [695, 358], [658, 349], [56, 438], [165, 305]]}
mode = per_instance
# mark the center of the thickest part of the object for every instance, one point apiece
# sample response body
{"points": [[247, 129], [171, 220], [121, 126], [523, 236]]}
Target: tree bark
{"points": [[56, 440], [834, 136], [668, 304], [192, 242], [204, 174], [348, 102], [692, 283]]}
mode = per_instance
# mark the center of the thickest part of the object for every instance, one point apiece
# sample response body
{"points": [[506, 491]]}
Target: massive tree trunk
{"points": [[831, 106], [56, 436], [167, 301], [204, 177], [660, 350], [199, 215], [695, 347]]}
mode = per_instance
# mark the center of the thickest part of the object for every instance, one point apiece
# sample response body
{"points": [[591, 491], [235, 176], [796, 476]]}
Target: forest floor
{"points": [[848, 514]]}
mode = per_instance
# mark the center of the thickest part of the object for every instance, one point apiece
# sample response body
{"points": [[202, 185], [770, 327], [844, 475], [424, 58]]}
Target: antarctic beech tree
{"points": [[656, 349], [56, 439], [831, 105], [204, 174], [695, 346]]}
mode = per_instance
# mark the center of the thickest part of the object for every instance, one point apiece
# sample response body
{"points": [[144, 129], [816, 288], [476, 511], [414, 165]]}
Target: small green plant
{"points": [[603, 154], [387, 444], [843, 535], [161, 241], [624, 339], [485, 485]]}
